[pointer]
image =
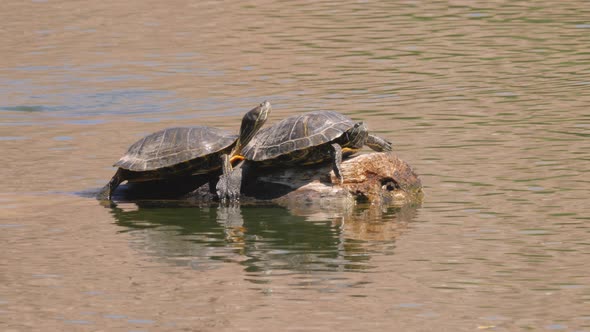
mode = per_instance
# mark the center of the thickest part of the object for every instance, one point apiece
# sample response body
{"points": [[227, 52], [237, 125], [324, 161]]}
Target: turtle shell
{"points": [[297, 133], [173, 147]]}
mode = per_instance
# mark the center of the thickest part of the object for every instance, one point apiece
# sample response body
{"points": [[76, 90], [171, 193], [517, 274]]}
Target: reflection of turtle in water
{"points": [[182, 151], [311, 138], [264, 238]]}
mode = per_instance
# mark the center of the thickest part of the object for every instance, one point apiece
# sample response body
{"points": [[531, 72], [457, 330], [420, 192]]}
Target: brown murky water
{"points": [[488, 100]]}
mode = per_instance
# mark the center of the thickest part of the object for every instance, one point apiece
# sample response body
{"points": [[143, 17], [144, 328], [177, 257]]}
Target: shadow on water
{"points": [[268, 241]]}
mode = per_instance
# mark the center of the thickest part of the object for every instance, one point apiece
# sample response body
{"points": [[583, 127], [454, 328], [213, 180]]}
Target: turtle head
{"points": [[251, 123], [357, 135]]}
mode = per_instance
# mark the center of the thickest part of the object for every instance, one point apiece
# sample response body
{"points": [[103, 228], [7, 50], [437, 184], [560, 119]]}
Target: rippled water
{"points": [[488, 101]]}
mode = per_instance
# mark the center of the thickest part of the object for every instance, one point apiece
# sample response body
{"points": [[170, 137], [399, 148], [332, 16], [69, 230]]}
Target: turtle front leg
{"points": [[230, 182], [337, 152], [378, 144], [222, 184], [234, 184]]}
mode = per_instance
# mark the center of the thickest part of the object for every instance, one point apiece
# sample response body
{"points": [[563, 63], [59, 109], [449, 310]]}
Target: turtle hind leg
{"points": [[337, 153], [114, 183], [378, 144]]}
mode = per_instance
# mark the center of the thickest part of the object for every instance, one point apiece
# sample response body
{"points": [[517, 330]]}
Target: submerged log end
{"points": [[382, 178]]}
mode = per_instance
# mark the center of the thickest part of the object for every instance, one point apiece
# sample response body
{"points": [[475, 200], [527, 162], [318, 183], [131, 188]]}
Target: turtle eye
{"points": [[389, 184]]}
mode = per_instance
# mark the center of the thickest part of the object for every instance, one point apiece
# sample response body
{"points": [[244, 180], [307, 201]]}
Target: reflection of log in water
{"points": [[375, 178], [263, 239]]}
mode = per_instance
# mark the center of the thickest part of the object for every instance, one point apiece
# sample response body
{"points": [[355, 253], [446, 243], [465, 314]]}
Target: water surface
{"points": [[487, 100]]}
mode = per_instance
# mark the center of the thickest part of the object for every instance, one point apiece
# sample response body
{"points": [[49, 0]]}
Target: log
{"points": [[378, 178]]}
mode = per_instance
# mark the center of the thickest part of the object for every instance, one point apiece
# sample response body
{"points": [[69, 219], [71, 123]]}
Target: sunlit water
{"points": [[488, 101]]}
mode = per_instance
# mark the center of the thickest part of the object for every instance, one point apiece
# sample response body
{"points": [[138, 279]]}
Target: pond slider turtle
{"points": [[311, 138], [183, 151]]}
